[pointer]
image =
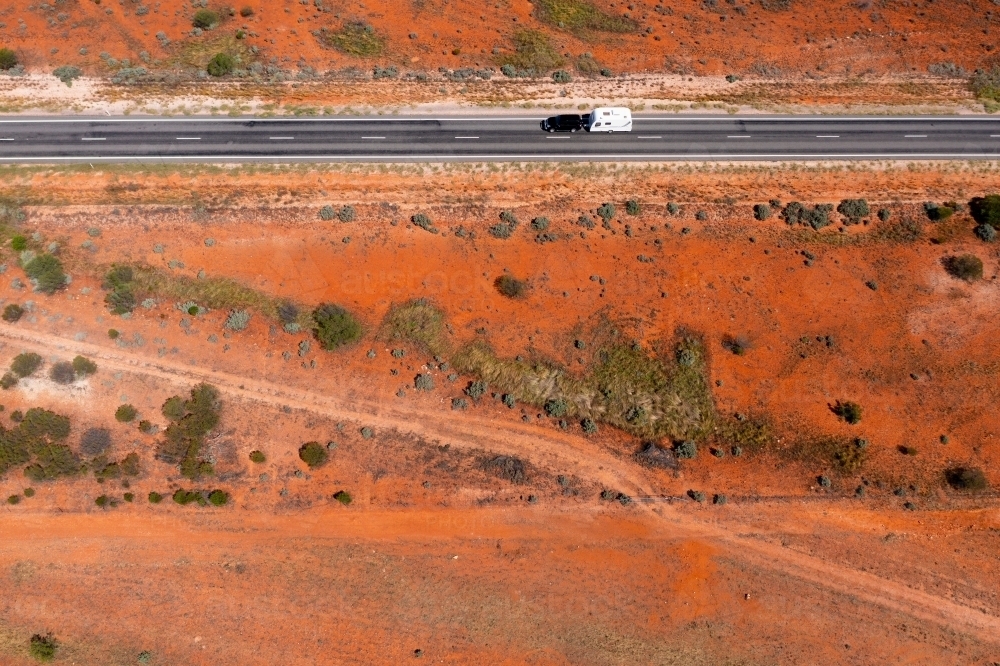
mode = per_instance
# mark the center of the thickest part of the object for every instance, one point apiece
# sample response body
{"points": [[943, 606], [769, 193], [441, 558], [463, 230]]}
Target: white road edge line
{"points": [[466, 137], [649, 137], [739, 136], [189, 138], [914, 136], [281, 138], [94, 138], [827, 136], [525, 158], [367, 119], [373, 137]]}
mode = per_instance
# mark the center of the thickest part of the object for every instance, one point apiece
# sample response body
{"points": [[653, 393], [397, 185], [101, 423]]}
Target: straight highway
{"points": [[493, 138]]}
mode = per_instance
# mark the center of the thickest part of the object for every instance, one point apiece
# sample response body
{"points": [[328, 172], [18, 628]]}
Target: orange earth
{"points": [[698, 37], [434, 553]]}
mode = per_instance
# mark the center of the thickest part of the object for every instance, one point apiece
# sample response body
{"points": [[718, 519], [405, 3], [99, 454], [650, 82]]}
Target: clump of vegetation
{"points": [[505, 227], [221, 64], [966, 267], [937, 213], [8, 381], [39, 435], [848, 411], [67, 73], [192, 420], [816, 217], [534, 53], [985, 83], [965, 478], [155, 497], [357, 39], [12, 313], [632, 207], [126, 413], [95, 441], [237, 320], [986, 210], [46, 271], [738, 345], [853, 210], [313, 454], [510, 286], [218, 497], [419, 322], [630, 388], [506, 467], [118, 283], [687, 449], [205, 19], [606, 212], [477, 389], [83, 366], [8, 59], [343, 497], [562, 76], [62, 373], [258, 457], [581, 16], [850, 457], [335, 327], [25, 364], [43, 648], [761, 212], [424, 382]]}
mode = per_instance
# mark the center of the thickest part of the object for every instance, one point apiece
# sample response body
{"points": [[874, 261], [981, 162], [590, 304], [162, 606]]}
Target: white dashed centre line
{"points": [[373, 137], [94, 138], [1, 139], [914, 136], [650, 137], [466, 137], [738, 136], [827, 136], [995, 136], [189, 138], [557, 137], [281, 138]]}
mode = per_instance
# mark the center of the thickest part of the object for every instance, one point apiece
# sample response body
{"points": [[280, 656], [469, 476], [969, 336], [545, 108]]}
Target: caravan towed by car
{"points": [[601, 119]]}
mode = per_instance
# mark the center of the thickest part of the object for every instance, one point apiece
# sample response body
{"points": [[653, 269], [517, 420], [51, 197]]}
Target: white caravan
{"points": [[610, 119]]}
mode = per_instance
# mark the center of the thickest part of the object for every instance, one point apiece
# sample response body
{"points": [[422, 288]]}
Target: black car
{"points": [[569, 122]]}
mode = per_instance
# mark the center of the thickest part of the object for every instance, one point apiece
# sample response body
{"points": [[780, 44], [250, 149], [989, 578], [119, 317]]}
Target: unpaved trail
{"points": [[555, 451]]}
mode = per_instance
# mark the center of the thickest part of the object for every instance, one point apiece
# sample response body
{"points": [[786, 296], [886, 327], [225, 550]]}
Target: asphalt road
{"points": [[498, 138]]}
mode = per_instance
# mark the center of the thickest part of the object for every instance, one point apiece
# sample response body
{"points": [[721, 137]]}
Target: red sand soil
{"points": [[785, 573], [822, 37]]}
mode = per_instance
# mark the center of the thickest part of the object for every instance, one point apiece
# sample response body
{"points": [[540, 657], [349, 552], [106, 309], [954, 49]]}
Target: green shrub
{"points": [[851, 456], [47, 272], [67, 73], [173, 408], [422, 221], [257, 457], [221, 64], [367, 432], [966, 267], [884, 214], [12, 313], [556, 408], [853, 210], [25, 364], [965, 478], [581, 16], [589, 426], [118, 283], [986, 233], [417, 321], [540, 224], [8, 381], [8, 59], [939, 213], [606, 212], [343, 497], [126, 413], [155, 497], [62, 373], [986, 210], [13, 499], [562, 76], [102, 501], [43, 648], [848, 411], [128, 497], [185, 497], [205, 18], [357, 39], [130, 464], [237, 320], [19, 243], [335, 327], [185, 436], [83, 366], [511, 287], [761, 212], [505, 228], [346, 214], [218, 498], [95, 441], [313, 454], [113, 334], [424, 382], [632, 207], [327, 213], [476, 389], [686, 449]]}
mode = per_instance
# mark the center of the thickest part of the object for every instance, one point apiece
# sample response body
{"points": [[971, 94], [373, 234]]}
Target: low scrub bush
{"points": [[237, 320], [476, 389], [816, 217], [8, 381], [83, 366], [191, 421], [43, 648], [357, 39], [986, 233], [686, 449], [95, 441], [606, 212], [506, 467], [327, 213], [422, 221], [417, 321], [562, 76], [632, 207], [25, 364], [155, 497], [205, 19], [67, 74], [505, 228], [62, 373], [335, 327], [761, 212], [12, 313], [849, 412], [218, 498], [8, 59], [965, 478], [424, 382], [966, 267], [221, 64], [510, 286], [257, 457], [936, 213], [343, 497], [540, 224], [46, 271], [313, 454], [118, 283], [986, 210], [556, 408], [534, 53], [853, 210], [126, 413], [582, 16]]}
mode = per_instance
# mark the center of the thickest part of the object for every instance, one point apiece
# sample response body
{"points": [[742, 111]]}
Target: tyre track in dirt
{"points": [[551, 450]]}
